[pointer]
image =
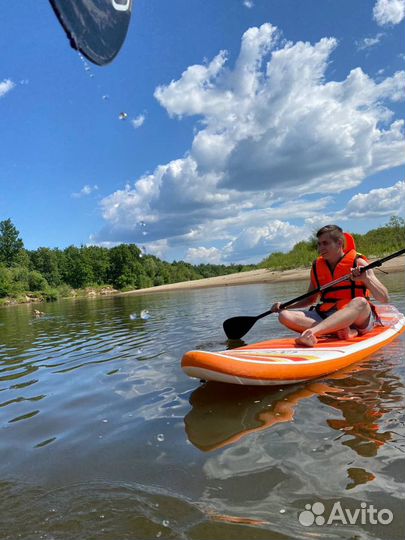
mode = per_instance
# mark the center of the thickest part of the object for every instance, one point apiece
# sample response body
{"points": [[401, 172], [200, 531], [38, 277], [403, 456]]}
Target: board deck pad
{"points": [[281, 361]]}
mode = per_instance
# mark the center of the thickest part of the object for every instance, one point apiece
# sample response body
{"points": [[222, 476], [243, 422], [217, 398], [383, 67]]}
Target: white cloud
{"points": [[85, 191], [138, 121], [377, 202], [253, 242], [205, 255], [94, 242], [6, 86], [249, 244], [271, 128], [160, 248], [369, 42], [389, 11], [283, 127]]}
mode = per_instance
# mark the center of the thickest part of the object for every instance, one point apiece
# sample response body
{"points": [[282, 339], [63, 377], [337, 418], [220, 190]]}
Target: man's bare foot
{"points": [[307, 338], [347, 333]]}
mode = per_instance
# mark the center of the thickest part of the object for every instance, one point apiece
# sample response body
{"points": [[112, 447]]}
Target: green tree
{"points": [[397, 226], [5, 281], [10, 243], [126, 265], [46, 261], [77, 271], [36, 281], [98, 259], [19, 276]]}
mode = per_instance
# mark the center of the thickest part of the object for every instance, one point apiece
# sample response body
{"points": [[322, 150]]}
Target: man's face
{"points": [[328, 248]]}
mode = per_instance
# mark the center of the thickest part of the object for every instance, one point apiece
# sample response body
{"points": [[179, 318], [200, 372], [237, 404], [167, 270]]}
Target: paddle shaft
{"points": [[374, 264], [236, 327]]}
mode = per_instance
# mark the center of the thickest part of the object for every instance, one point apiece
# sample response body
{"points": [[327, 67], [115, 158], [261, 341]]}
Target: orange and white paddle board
{"points": [[281, 361]]}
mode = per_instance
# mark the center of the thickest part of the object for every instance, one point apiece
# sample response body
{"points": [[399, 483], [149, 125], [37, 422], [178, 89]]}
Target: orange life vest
{"points": [[341, 294]]}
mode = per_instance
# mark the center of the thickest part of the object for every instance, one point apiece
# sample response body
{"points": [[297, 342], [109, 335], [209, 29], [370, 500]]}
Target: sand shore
{"points": [[254, 276]]}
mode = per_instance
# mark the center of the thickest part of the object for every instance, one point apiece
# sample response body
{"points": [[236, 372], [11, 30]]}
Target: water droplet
{"points": [[160, 437], [123, 116]]}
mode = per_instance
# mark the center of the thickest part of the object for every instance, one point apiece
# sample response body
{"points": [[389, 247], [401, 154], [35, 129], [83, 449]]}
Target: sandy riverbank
{"points": [[254, 276]]}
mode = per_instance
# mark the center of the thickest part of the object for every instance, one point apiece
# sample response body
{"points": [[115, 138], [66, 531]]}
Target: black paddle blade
{"points": [[236, 327], [96, 28]]}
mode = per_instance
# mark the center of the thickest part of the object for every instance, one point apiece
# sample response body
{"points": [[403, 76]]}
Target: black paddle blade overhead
{"points": [[96, 28], [237, 327]]}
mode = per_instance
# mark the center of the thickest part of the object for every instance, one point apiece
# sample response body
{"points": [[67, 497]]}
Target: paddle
{"points": [[236, 327], [96, 28]]}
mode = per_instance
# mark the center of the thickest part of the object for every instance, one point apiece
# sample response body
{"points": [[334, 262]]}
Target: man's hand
{"points": [[275, 308], [356, 273]]}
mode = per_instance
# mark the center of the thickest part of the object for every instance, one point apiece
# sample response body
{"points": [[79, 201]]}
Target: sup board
{"points": [[281, 361]]}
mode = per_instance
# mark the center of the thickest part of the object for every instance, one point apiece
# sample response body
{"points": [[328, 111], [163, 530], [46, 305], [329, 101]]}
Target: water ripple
{"points": [[103, 436]]}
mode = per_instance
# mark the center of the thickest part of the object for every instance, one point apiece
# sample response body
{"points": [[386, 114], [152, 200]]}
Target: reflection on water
{"points": [[223, 414], [102, 436]]}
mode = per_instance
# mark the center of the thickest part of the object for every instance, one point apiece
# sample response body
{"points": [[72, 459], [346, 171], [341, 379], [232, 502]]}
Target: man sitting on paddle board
{"points": [[344, 309]]}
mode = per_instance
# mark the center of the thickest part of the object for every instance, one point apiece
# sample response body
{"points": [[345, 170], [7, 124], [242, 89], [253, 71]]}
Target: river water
{"points": [[102, 435]]}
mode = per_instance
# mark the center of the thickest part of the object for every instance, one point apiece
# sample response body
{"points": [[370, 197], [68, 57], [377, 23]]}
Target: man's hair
{"points": [[334, 231]]}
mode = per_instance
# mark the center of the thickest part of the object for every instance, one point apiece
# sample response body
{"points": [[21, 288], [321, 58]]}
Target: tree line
{"points": [[52, 273], [47, 273]]}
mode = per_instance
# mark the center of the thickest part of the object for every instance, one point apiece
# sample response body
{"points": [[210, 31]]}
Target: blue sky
{"points": [[249, 125]]}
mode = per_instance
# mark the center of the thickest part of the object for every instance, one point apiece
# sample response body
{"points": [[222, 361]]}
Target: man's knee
{"points": [[360, 304], [284, 317]]}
